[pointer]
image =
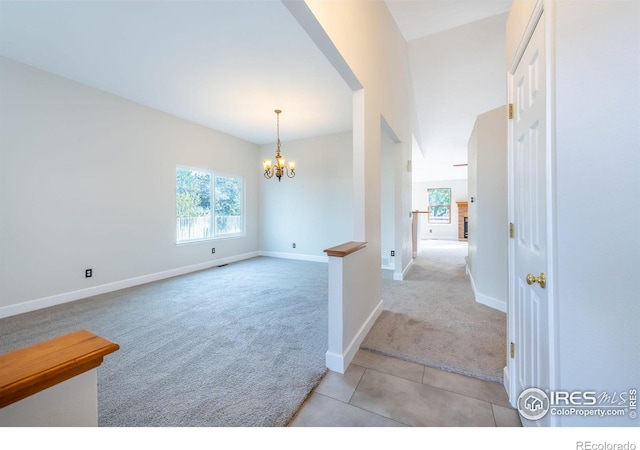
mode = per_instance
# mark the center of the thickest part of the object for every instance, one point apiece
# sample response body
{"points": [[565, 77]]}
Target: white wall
{"points": [[597, 163], [458, 73], [488, 238], [363, 42], [387, 198], [88, 181], [378, 57], [313, 209], [459, 193]]}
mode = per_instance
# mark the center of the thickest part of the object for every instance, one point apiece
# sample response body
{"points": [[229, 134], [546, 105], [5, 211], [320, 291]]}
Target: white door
{"points": [[529, 248]]}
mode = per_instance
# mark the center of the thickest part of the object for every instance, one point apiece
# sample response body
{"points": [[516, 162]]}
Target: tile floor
{"points": [[378, 391]]}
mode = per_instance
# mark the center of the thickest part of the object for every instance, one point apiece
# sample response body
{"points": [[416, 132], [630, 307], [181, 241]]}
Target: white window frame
{"points": [[439, 220], [212, 216]]}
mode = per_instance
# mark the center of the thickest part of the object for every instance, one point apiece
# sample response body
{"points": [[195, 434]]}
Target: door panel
{"points": [[529, 249]]}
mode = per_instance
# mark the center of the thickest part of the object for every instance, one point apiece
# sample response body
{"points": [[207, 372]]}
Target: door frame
{"points": [[510, 375]]}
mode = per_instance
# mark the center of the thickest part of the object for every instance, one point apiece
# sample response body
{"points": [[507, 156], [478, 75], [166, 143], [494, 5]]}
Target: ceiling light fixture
{"points": [[280, 168]]}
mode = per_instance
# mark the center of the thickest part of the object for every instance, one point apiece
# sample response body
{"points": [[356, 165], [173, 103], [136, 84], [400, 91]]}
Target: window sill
{"points": [[210, 239]]}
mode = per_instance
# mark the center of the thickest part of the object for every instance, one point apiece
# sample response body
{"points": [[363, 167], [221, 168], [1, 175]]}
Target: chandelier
{"points": [[280, 168]]}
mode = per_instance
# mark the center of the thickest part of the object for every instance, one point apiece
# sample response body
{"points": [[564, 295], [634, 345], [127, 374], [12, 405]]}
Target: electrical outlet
{"points": [[430, 231], [393, 253], [88, 273], [294, 245], [213, 250]]}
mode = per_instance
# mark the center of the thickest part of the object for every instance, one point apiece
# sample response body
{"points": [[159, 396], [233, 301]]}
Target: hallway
{"points": [[432, 318], [413, 368]]}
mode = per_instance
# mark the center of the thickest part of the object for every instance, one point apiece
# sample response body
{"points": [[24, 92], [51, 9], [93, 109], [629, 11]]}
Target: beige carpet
{"points": [[432, 318]]}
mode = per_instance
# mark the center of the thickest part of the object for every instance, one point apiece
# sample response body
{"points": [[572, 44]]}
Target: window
{"points": [[439, 205], [208, 205]]}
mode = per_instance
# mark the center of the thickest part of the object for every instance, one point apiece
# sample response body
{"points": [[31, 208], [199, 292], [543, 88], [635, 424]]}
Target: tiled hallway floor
{"points": [[378, 391]]}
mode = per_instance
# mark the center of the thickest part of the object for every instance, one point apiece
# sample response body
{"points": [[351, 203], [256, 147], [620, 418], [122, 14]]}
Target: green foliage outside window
{"points": [[207, 205], [439, 205]]}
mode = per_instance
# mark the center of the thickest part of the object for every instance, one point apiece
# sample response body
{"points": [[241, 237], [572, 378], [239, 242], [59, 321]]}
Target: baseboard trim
{"points": [[485, 299], [401, 276], [66, 297], [506, 382], [335, 362], [283, 255], [339, 362]]}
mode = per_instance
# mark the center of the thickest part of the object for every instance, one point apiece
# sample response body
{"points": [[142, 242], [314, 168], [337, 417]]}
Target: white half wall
{"points": [[88, 181], [350, 314], [72, 403], [313, 209]]}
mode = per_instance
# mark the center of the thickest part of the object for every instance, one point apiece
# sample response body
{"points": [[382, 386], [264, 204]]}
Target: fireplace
{"points": [[466, 227], [463, 221]]}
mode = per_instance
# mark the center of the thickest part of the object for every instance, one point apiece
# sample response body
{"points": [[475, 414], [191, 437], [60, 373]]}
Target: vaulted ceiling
{"points": [[223, 64], [420, 18]]}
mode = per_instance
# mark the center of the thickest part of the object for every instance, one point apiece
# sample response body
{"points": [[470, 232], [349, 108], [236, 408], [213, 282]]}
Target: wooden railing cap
{"points": [[31, 369], [345, 249]]}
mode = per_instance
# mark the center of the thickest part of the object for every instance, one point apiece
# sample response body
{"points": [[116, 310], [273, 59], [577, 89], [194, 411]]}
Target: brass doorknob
{"points": [[542, 279]]}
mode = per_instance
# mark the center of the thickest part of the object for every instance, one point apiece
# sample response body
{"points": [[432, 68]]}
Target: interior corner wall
{"points": [[364, 44], [459, 193], [88, 181], [368, 39], [313, 209]]}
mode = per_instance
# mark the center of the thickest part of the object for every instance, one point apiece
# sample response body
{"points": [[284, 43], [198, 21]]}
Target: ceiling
{"points": [[419, 18], [223, 64]]}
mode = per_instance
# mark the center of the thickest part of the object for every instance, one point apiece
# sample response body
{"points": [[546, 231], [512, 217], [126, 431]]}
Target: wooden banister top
{"points": [[345, 249], [29, 370]]}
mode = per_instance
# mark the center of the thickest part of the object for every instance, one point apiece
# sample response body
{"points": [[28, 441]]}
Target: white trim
{"points": [[402, 275], [549, 11], [212, 216], [546, 8], [339, 362], [335, 362], [506, 382], [536, 13], [283, 255], [66, 297], [491, 302]]}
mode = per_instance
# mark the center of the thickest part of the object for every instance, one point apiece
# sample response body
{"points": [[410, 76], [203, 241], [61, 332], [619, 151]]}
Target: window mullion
{"points": [[212, 224]]}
